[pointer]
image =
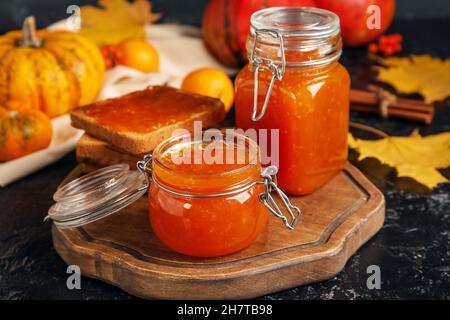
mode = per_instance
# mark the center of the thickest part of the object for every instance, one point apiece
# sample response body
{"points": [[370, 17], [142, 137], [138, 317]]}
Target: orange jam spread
{"points": [[310, 108], [150, 109], [200, 226]]}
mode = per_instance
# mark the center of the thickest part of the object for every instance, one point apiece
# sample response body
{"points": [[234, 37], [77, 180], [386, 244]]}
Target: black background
{"points": [[12, 12]]}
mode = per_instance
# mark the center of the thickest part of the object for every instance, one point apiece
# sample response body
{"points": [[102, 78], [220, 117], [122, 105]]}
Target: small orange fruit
{"points": [[138, 54], [210, 82]]}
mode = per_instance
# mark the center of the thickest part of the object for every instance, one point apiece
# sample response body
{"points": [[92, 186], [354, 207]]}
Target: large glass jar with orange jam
{"points": [[295, 84]]}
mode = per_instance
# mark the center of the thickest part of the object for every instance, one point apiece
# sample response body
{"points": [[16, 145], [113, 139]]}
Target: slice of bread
{"points": [[90, 149], [139, 121], [88, 167]]}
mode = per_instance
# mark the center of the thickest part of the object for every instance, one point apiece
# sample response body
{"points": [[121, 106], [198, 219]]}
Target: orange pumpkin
{"points": [[54, 71], [23, 130]]}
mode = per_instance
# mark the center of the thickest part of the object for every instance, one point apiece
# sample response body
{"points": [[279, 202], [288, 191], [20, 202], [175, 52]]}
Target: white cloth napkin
{"points": [[122, 80], [181, 50]]}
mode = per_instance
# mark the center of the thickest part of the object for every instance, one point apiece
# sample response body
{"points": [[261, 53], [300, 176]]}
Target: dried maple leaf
{"points": [[116, 20], [412, 156], [418, 74]]}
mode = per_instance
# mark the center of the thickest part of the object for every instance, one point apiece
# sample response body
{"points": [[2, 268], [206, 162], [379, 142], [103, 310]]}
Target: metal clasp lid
{"points": [[277, 71], [96, 195], [145, 166], [270, 182]]}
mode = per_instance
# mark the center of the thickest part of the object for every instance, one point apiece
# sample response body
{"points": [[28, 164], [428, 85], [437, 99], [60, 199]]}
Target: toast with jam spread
{"points": [[137, 122]]}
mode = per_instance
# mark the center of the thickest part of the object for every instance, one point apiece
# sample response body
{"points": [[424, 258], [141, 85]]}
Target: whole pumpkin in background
{"points": [[226, 24], [353, 16], [23, 130], [53, 71]]}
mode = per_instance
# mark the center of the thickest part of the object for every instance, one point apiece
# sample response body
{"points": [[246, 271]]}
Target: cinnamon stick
{"points": [[367, 101], [410, 115]]}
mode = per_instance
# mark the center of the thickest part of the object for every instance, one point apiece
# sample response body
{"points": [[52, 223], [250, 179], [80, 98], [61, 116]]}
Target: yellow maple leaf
{"points": [[116, 20], [418, 74], [412, 156]]}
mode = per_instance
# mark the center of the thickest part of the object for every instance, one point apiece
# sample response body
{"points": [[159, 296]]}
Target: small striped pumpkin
{"points": [[22, 131], [53, 71]]}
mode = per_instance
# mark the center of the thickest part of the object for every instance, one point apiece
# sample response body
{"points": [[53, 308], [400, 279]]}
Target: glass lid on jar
{"points": [[96, 195], [293, 36], [297, 22]]}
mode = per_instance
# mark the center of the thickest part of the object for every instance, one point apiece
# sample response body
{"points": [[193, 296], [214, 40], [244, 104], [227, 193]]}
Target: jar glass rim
{"points": [[251, 146], [298, 22], [294, 37]]}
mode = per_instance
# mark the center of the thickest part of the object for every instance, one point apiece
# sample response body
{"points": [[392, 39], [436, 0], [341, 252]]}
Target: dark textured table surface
{"points": [[412, 249]]}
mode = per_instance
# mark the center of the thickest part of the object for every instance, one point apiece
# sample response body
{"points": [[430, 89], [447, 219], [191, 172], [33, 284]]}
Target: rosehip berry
{"points": [[389, 51], [373, 48]]}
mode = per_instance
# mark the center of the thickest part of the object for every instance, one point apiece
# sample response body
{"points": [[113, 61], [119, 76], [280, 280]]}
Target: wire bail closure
{"points": [[145, 166], [269, 181], [257, 63]]}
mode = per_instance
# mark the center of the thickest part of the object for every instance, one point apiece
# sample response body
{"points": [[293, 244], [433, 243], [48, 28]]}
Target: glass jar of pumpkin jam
{"points": [[296, 49], [196, 225]]}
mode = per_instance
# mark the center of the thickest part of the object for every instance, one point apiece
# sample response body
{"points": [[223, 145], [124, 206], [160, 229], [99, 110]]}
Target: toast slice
{"points": [[90, 149], [139, 121], [88, 167]]}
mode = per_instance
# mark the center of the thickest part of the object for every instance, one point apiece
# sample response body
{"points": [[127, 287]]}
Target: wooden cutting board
{"points": [[122, 249]]}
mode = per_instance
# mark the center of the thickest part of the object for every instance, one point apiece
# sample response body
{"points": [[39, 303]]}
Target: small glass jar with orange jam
{"points": [[198, 225], [208, 195], [294, 83]]}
